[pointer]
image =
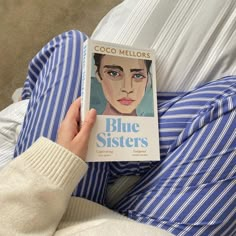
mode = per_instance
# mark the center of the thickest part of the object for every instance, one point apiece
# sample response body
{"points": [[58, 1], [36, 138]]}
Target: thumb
{"points": [[85, 131]]}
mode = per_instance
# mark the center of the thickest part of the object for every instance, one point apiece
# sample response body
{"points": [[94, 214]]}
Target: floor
{"points": [[26, 25]]}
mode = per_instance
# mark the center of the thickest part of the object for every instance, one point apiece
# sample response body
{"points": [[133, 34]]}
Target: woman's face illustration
{"points": [[123, 82]]}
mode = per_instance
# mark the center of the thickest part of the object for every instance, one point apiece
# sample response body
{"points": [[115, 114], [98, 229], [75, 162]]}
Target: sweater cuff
{"points": [[59, 165]]}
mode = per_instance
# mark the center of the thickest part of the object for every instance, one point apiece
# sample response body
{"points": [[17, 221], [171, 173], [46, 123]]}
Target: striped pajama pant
{"points": [[191, 191]]}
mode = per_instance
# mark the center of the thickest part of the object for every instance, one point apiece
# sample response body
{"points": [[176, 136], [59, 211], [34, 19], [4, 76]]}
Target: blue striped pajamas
{"points": [[191, 191]]}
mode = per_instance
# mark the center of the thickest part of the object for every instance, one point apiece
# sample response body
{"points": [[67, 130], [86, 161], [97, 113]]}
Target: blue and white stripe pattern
{"points": [[191, 191], [52, 84]]}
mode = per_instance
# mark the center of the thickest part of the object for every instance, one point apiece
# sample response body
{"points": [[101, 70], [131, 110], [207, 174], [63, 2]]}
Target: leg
{"points": [[53, 82], [192, 190]]}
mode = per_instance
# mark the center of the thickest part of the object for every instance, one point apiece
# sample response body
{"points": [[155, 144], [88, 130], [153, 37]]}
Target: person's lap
{"points": [[196, 139], [192, 190]]}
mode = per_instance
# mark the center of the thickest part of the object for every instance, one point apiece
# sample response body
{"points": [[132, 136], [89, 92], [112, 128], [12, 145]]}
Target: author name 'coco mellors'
{"points": [[115, 126], [121, 52]]}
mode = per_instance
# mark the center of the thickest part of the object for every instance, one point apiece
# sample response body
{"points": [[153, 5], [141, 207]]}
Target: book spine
{"points": [[84, 85]]}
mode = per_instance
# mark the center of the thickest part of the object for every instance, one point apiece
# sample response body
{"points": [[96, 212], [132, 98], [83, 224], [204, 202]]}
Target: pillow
{"points": [[194, 41]]}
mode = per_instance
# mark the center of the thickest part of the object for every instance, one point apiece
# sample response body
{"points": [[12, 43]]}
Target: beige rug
{"points": [[26, 25]]}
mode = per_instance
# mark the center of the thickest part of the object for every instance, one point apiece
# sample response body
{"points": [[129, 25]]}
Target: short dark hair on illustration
{"points": [[98, 58]]}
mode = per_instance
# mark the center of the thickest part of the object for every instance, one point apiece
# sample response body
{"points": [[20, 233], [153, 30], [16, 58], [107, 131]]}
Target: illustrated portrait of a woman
{"points": [[124, 82]]}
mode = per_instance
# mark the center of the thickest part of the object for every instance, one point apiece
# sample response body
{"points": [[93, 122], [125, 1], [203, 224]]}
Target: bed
{"points": [[194, 42]]}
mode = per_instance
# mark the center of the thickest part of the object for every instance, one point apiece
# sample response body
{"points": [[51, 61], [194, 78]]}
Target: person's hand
{"points": [[70, 135]]}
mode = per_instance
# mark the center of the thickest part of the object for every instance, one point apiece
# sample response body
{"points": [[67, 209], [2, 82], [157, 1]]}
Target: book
{"points": [[120, 83]]}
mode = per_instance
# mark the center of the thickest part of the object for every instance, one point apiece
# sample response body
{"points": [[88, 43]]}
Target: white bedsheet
{"points": [[11, 119]]}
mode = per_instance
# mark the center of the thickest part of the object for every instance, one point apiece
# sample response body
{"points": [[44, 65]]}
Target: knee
{"points": [[73, 38]]}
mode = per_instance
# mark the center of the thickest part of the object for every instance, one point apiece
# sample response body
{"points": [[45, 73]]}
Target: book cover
{"points": [[120, 83]]}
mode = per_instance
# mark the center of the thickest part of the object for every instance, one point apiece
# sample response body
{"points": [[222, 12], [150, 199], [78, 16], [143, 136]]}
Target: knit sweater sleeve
{"points": [[35, 189]]}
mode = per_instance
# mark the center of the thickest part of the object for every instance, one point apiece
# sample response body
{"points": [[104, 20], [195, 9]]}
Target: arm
{"points": [[35, 187]]}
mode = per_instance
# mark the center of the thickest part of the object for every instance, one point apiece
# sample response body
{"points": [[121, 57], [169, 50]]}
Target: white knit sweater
{"points": [[35, 198]]}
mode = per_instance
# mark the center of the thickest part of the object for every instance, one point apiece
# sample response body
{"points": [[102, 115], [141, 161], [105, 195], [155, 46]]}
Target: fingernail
{"points": [[92, 110]]}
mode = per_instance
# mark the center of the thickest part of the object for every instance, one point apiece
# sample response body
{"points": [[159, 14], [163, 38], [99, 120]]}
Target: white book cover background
{"points": [[120, 83]]}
